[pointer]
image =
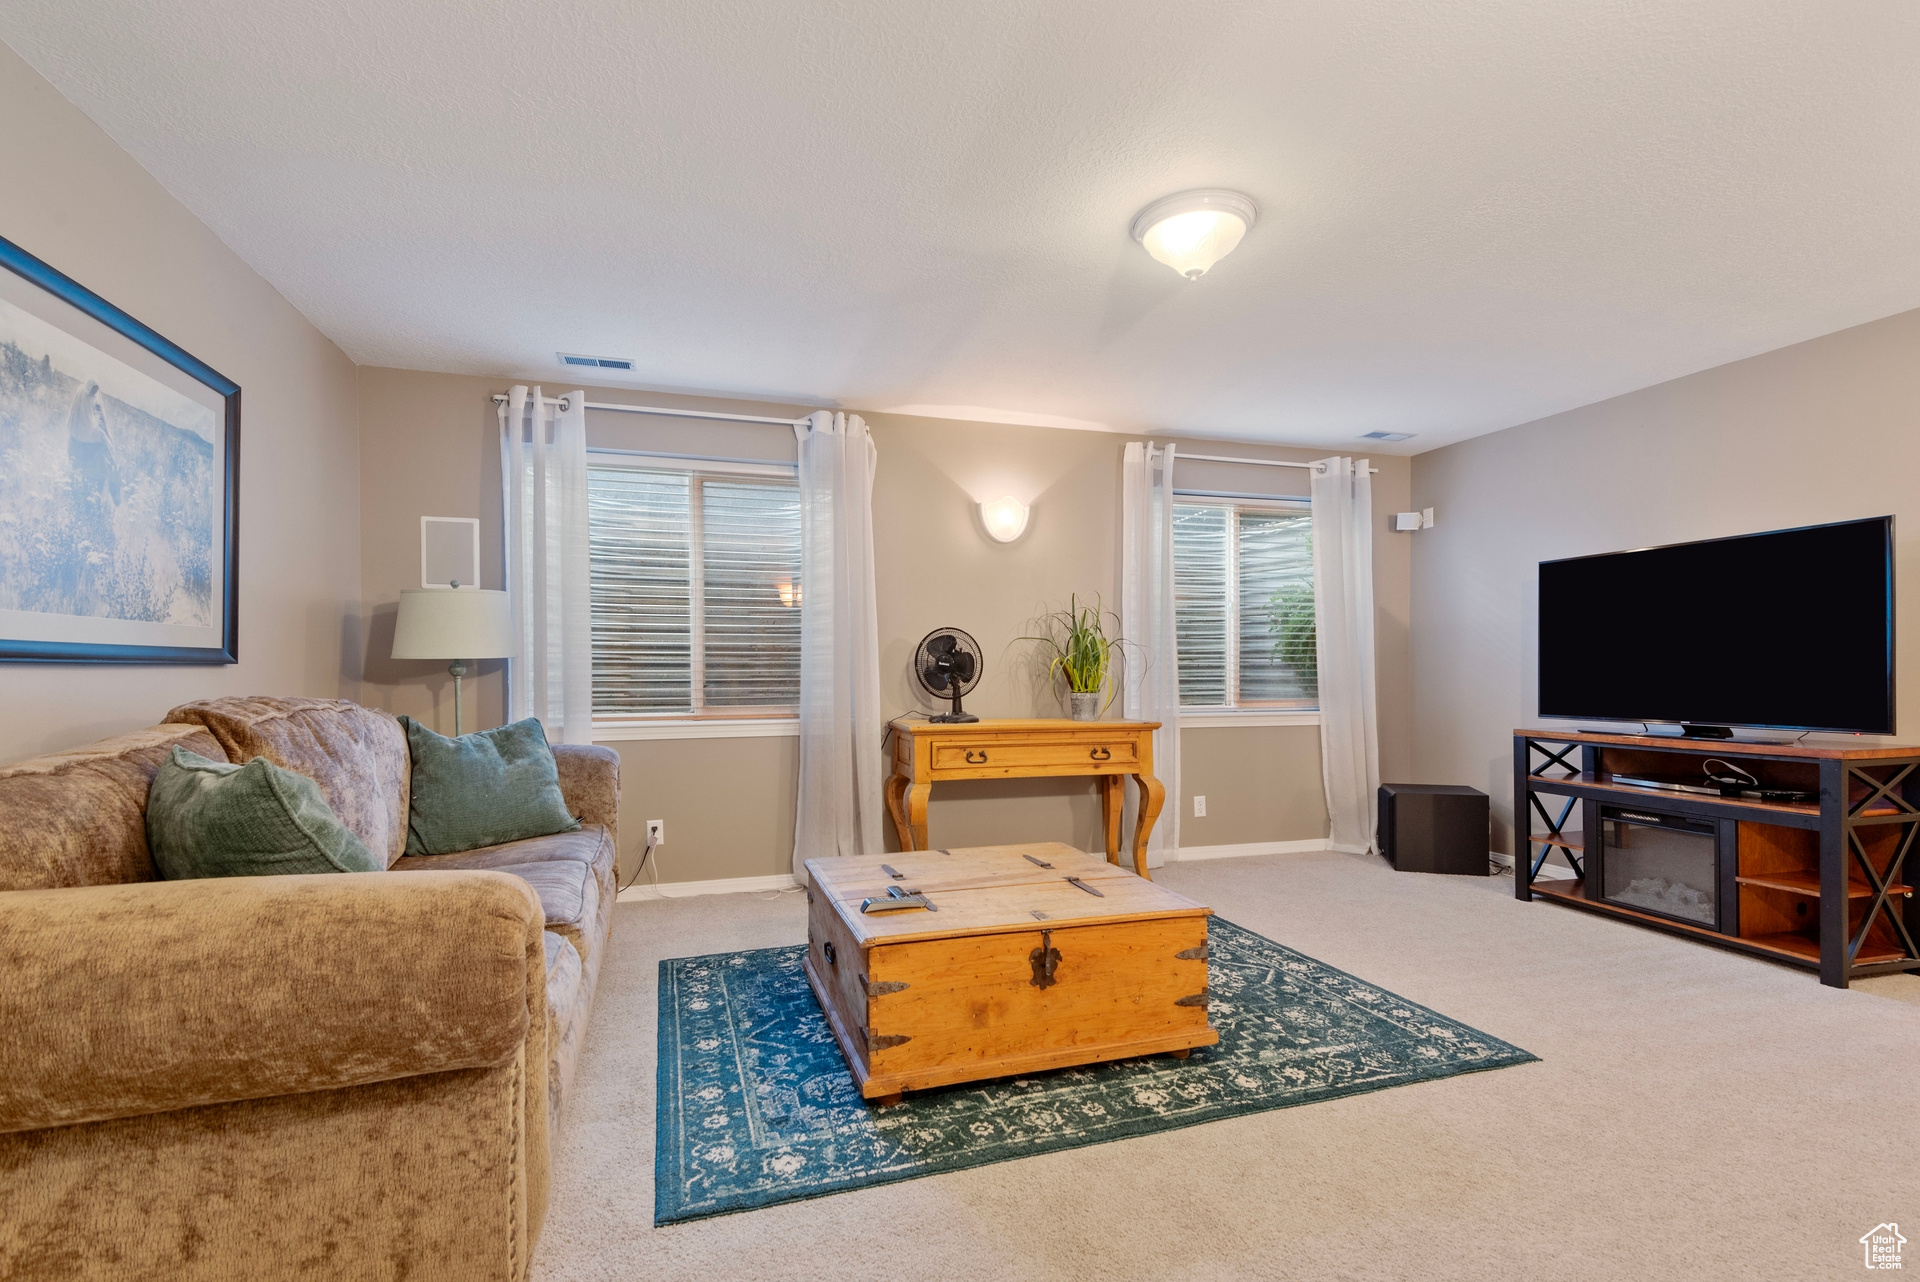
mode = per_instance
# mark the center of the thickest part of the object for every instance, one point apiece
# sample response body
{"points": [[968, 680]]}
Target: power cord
{"points": [[1745, 779], [645, 856]]}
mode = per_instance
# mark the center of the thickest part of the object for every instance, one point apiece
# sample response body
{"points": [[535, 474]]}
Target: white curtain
{"points": [[1147, 624], [1343, 606], [840, 716], [543, 471]]}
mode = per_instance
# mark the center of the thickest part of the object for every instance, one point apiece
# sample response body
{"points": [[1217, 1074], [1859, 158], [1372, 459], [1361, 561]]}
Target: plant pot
{"points": [[1085, 706]]}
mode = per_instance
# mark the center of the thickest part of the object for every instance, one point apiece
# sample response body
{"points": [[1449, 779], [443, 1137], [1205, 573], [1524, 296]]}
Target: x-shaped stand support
{"points": [[1555, 827], [1882, 880]]}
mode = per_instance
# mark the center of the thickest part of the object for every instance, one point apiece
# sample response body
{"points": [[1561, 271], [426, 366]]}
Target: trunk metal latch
{"points": [[1045, 959]]}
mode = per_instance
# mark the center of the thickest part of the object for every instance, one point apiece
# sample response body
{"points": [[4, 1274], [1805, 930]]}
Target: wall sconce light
{"points": [[1005, 519]]}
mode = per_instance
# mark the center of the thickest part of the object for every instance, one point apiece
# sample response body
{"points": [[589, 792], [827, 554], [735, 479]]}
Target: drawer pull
{"points": [[976, 756], [1102, 754]]}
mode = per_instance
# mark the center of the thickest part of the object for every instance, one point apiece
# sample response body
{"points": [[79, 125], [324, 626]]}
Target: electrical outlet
{"points": [[656, 832], [1199, 807], [1426, 518]]}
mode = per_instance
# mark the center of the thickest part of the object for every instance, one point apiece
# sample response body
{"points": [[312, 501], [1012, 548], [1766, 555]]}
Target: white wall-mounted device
{"points": [[449, 552], [1421, 520]]}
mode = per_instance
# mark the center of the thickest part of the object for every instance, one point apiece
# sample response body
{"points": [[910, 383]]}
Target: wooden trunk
{"points": [[1015, 969]]}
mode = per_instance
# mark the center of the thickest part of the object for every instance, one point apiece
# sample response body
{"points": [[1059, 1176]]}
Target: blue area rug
{"points": [[756, 1106]]}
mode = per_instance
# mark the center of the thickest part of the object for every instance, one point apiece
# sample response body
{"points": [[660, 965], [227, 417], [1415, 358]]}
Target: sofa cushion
{"points": [[482, 789], [571, 872], [215, 819], [587, 844], [79, 818], [564, 887], [357, 755]]}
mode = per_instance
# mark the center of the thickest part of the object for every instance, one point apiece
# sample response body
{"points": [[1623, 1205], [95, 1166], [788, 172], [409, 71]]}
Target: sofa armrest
{"points": [[146, 997], [590, 781]]}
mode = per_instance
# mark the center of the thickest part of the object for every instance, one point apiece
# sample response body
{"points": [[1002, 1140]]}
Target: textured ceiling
{"points": [[1473, 214]]}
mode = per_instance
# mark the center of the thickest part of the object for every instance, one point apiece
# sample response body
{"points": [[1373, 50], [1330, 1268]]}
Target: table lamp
{"points": [[453, 623]]}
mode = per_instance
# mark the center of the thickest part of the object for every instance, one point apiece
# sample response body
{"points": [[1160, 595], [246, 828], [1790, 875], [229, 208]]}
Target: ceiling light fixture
{"points": [[1194, 230], [1005, 519]]}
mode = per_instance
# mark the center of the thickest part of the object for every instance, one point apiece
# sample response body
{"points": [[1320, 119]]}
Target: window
{"points": [[696, 588], [1243, 604]]}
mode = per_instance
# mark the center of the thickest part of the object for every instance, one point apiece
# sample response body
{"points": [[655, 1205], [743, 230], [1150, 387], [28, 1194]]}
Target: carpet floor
{"points": [[1697, 1114]]}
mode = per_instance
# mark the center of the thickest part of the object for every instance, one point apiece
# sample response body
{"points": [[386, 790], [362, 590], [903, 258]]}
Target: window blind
{"points": [[695, 591], [751, 558], [1202, 608], [1243, 605]]}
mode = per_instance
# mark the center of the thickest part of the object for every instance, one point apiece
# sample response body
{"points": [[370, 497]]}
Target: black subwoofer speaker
{"points": [[1434, 827]]}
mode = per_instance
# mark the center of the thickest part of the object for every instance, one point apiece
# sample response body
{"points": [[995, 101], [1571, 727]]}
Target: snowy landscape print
{"points": [[109, 496]]}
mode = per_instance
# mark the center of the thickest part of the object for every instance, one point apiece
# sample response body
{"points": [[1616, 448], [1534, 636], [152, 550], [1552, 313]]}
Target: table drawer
{"points": [[1080, 755]]}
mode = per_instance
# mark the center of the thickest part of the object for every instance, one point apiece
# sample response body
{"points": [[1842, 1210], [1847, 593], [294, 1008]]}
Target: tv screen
{"points": [[1792, 629]]}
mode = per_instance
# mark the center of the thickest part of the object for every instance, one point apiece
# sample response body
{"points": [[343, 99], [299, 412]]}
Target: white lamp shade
{"points": [[441, 623], [1005, 519]]}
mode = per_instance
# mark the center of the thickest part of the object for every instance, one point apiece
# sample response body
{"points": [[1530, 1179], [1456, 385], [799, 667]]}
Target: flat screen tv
{"points": [[1791, 629]]}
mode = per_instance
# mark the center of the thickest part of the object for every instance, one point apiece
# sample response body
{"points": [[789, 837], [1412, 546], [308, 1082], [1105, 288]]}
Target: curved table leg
{"points": [[1112, 802], [916, 804], [896, 791], [1153, 795]]}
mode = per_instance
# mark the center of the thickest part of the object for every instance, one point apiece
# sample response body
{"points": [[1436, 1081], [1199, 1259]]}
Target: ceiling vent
{"points": [[1386, 436], [597, 362]]}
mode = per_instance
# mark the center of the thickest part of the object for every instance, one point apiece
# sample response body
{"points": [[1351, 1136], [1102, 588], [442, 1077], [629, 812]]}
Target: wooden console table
{"points": [[1815, 884], [927, 752]]}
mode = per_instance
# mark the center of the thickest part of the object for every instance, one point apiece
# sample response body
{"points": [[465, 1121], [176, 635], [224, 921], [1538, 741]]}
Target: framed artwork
{"points": [[119, 483]]}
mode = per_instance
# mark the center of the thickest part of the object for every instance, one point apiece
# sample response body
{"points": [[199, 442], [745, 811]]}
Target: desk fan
{"points": [[946, 663]]}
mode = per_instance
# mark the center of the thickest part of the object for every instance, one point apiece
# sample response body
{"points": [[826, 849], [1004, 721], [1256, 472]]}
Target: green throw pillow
{"points": [[214, 819], [482, 789]]}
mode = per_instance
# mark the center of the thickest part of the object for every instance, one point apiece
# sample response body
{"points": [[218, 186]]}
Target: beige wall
{"points": [[428, 448], [76, 200], [1821, 431]]}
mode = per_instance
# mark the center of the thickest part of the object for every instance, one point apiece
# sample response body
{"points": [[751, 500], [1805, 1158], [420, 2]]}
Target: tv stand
{"points": [[1818, 885], [1705, 732]]}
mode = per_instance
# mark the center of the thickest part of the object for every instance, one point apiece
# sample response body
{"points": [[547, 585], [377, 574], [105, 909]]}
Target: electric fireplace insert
{"points": [[1665, 864]]}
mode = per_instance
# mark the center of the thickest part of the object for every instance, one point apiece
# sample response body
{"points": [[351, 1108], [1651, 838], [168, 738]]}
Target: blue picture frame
{"points": [[124, 546]]}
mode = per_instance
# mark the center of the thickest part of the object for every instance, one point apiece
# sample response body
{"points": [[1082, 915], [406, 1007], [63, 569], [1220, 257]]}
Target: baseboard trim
{"points": [[1306, 846], [719, 886]]}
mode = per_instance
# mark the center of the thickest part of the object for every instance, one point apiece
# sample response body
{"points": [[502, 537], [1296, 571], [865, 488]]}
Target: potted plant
{"points": [[1079, 649]]}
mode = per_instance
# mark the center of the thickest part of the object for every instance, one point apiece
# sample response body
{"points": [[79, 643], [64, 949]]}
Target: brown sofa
{"points": [[345, 1076]]}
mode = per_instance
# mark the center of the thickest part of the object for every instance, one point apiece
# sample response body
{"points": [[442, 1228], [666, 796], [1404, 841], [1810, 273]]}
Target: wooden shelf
{"points": [[1566, 841], [1808, 883], [1807, 949], [1796, 948], [1603, 787]]}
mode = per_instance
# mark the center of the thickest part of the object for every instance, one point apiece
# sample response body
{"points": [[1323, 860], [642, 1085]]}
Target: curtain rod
{"points": [[501, 399], [1178, 457]]}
